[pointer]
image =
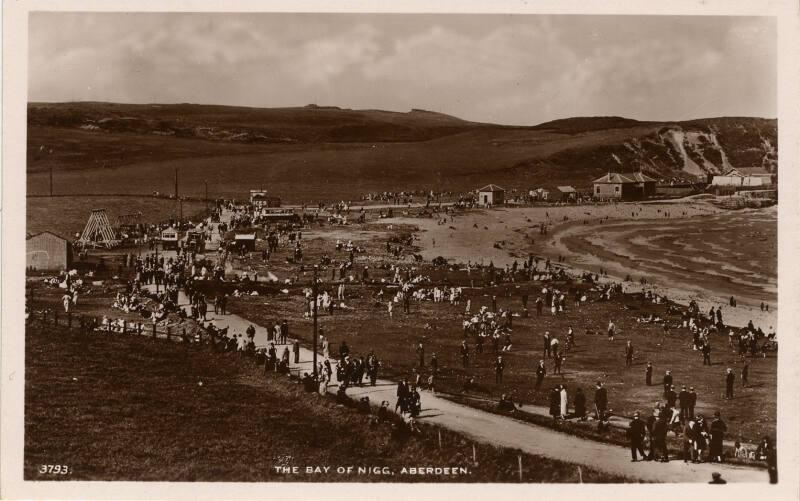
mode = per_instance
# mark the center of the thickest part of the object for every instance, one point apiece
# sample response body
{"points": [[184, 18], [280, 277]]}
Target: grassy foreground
{"points": [[127, 408]]}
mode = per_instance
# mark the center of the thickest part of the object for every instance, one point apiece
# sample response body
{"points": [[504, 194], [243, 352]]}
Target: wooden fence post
{"points": [[124, 326], [154, 330], [440, 439], [519, 463], [167, 331], [474, 456], [139, 328], [69, 321]]}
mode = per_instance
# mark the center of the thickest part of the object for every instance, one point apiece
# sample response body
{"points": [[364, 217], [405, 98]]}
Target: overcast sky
{"points": [[510, 69]]}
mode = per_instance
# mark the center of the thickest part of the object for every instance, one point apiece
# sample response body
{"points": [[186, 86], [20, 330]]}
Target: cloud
{"points": [[508, 69]]}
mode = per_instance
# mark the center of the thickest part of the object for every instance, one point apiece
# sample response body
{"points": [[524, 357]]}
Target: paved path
{"points": [[511, 433]]}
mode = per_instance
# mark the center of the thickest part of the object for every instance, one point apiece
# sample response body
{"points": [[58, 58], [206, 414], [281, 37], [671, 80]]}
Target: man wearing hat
{"points": [[648, 374], [683, 402], [692, 401], [717, 429], [636, 433], [600, 400], [667, 382]]}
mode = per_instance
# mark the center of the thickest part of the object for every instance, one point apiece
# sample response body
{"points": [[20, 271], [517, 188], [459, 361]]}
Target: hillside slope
{"points": [[326, 152]]}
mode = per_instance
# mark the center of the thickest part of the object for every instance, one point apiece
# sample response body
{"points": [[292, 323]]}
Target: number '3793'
{"points": [[55, 469]]}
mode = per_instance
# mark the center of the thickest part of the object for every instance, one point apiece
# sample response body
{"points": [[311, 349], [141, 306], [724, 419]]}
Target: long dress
{"points": [[563, 402]]}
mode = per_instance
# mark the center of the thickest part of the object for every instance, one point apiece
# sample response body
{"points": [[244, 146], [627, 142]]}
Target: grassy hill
{"points": [[326, 153]]}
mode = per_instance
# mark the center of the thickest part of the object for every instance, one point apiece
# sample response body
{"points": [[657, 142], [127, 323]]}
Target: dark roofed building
{"points": [[563, 194]]}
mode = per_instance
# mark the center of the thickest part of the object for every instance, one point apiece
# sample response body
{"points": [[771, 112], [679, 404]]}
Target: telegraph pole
{"points": [[314, 298]]}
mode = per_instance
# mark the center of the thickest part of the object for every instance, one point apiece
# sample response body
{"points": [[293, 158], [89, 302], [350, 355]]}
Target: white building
{"points": [[743, 177]]}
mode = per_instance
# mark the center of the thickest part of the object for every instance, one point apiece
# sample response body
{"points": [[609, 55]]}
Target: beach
{"points": [[686, 250]]}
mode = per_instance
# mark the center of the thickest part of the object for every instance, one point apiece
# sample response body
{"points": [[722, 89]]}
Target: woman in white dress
{"points": [[563, 402]]}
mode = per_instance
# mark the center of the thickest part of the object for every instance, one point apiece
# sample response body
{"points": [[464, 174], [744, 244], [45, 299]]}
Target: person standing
{"points": [[692, 401], [421, 354], [296, 351], [660, 429], [745, 373], [563, 402], [717, 430], [580, 404], [600, 399], [555, 403], [636, 434], [541, 371], [667, 382], [284, 331], [464, 354], [434, 364], [628, 354], [729, 380], [706, 353], [612, 329], [546, 340], [648, 374], [499, 365], [683, 402]]}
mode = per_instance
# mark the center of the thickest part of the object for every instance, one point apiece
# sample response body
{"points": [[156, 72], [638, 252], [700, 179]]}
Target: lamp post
{"points": [[155, 268], [314, 298]]}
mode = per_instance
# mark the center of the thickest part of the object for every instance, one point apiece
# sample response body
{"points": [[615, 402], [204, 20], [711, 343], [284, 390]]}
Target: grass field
{"points": [[367, 327], [127, 408], [68, 215]]}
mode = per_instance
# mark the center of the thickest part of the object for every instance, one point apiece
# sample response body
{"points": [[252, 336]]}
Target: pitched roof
{"points": [[617, 178], [613, 178], [641, 178], [566, 189], [753, 171], [492, 188], [47, 232]]}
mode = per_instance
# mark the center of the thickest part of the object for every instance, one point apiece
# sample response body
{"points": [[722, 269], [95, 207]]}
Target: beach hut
{"points": [[491, 194], [564, 194], [47, 251]]}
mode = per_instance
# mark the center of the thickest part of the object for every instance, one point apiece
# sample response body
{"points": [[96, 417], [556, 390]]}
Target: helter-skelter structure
{"points": [[98, 231]]}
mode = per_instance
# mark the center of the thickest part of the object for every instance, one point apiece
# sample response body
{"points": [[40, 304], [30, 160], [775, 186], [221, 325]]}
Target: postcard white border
{"points": [[13, 237]]}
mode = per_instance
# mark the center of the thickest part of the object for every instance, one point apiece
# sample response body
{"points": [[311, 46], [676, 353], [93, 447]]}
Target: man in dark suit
{"points": [[636, 434], [730, 377], [600, 399], [672, 397], [499, 365], [683, 401], [648, 374], [541, 371], [628, 354], [667, 382], [692, 401]]}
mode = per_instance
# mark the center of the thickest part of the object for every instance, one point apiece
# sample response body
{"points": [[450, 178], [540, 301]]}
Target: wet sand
{"points": [[700, 252]]}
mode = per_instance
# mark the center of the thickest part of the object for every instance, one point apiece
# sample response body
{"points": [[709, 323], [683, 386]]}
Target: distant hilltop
{"points": [[419, 145]]}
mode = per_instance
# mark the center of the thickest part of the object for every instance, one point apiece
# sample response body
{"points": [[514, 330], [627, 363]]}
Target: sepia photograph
{"points": [[399, 247]]}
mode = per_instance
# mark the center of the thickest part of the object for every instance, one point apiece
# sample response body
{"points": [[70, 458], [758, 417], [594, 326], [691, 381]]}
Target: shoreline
{"points": [[504, 235]]}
